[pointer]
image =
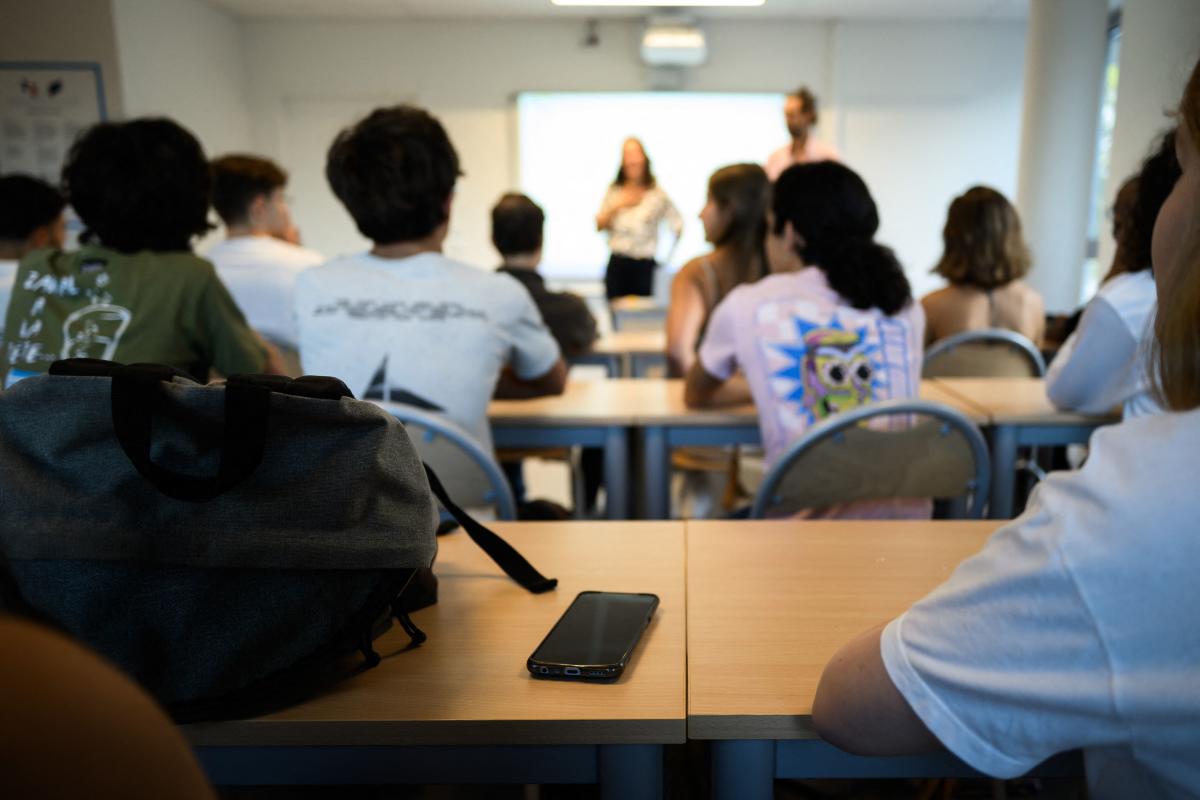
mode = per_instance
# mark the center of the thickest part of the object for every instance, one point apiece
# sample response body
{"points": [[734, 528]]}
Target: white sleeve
{"points": [[534, 350], [1004, 662], [672, 216], [1091, 373]]}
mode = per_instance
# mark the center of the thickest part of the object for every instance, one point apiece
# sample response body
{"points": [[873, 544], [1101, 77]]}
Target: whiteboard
{"points": [[569, 149]]}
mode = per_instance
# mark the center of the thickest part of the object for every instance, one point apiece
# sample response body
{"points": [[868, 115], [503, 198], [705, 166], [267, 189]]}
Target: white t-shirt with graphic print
{"points": [[426, 324]]}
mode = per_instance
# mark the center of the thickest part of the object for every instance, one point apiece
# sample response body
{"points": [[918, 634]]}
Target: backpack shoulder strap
{"points": [[504, 554]]}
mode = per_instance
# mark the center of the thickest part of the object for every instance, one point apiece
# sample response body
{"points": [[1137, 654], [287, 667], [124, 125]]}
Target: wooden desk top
{"points": [[468, 685], [633, 342], [1008, 400], [770, 602], [653, 401]]}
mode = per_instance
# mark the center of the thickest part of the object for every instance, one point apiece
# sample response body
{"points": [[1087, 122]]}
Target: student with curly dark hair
{"points": [[984, 258], [134, 292], [403, 319], [1102, 365], [31, 217], [832, 327]]}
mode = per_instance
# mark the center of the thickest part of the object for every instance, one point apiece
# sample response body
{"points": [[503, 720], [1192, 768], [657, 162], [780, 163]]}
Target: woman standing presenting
{"points": [[633, 209]]}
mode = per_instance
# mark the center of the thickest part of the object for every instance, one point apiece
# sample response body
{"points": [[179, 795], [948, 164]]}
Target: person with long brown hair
{"points": [[1076, 626], [735, 221], [633, 210], [984, 259]]}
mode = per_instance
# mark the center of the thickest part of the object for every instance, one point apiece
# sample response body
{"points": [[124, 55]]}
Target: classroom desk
{"points": [[769, 602], [666, 423], [462, 708], [588, 414], [627, 354], [1019, 415]]}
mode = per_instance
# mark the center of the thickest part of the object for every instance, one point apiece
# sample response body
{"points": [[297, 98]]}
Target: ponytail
{"points": [[865, 273]]}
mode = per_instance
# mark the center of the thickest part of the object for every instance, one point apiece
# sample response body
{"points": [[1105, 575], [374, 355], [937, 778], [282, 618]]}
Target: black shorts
{"points": [[627, 275]]}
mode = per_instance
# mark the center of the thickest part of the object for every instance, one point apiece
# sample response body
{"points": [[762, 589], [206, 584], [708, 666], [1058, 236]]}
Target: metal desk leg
{"points": [[743, 770], [656, 472], [616, 473], [1004, 471], [631, 771]]}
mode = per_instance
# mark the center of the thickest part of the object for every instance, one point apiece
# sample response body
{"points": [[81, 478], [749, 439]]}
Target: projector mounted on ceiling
{"points": [[673, 42]]}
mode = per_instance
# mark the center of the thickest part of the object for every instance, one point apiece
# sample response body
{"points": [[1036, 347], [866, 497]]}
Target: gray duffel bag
{"points": [[230, 546]]}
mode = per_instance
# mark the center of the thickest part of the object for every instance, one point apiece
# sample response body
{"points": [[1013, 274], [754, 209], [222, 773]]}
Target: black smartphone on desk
{"points": [[594, 637]]}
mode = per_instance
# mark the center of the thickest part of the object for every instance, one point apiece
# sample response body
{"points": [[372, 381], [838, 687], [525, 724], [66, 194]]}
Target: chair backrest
{"points": [[471, 475], [987, 353], [898, 448]]}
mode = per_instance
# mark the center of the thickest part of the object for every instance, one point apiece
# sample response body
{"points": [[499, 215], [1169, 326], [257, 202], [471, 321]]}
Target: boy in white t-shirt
{"points": [[261, 257], [31, 216], [403, 319]]}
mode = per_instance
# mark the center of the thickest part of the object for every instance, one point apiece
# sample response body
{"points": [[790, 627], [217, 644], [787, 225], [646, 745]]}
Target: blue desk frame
{"points": [[1005, 437], [746, 769], [613, 438], [658, 440]]}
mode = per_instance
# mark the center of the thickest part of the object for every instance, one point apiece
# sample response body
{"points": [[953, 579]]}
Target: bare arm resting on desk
{"points": [[702, 390], [859, 709], [510, 387]]}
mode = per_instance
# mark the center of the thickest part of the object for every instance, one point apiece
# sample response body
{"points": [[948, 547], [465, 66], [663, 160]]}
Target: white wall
{"points": [[185, 59], [921, 110]]}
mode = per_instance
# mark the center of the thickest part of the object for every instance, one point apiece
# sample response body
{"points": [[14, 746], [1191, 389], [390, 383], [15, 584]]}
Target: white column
{"points": [[1160, 42], [1064, 66]]}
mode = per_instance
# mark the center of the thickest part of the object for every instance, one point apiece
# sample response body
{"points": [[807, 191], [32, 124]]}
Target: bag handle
{"points": [[504, 554], [137, 393]]}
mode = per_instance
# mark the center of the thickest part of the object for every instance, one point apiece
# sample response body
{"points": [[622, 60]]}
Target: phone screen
{"points": [[599, 628]]}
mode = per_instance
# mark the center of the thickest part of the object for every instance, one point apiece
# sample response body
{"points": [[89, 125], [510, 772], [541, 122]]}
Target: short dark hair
{"points": [[982, 241], [517, 225], [809, 100], [27, 204], [831, 209], [394, 172], [238, 179], [139, 185]]}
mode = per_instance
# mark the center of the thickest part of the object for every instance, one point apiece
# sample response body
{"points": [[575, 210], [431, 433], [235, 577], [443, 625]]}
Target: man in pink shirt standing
{"points": [[800, 112]]}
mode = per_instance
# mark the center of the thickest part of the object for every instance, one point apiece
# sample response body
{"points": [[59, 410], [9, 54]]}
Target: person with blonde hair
{"points": [[1076, 626], [984, 259]]}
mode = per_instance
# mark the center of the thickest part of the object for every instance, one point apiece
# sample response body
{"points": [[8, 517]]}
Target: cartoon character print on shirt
{"points": [[831, 368]]}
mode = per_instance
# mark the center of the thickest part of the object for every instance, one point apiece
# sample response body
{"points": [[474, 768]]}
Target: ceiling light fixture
{"points": [[661, 3]]}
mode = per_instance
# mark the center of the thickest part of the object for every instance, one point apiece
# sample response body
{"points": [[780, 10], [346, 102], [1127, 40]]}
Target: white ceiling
{"points": [[543, 9]]}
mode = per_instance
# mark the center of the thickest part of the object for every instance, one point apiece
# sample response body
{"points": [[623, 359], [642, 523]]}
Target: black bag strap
{"points": [[137, 393], [503, 553]]}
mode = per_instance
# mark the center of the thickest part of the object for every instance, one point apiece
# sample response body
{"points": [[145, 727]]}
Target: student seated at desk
{"points": [[984, 259], [31, 217], [1103, 364], [833, 327], [404, 317], [134, 292], [517, 224], [1077, 625], [735, 221], [256, 262]]}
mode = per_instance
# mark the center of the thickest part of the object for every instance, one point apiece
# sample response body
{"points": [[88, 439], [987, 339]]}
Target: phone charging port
{"points": [[570, 670]]}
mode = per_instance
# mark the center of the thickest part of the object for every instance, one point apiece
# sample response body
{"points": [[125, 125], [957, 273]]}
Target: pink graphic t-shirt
{"points": [[808, 354]]}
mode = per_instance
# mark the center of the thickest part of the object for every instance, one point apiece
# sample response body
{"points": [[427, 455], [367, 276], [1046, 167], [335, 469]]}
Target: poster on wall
{"points": [[43, 107]]}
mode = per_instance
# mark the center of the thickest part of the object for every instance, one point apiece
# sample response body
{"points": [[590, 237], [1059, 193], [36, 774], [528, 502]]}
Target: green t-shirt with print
{"points": [[152, 307]]}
